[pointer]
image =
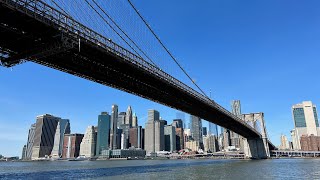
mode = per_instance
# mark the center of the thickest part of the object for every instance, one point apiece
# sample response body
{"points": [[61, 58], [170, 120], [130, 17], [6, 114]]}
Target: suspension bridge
{"points": [[46, 33]]}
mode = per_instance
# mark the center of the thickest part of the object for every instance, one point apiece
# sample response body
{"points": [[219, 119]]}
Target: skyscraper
{"points": [[125, 136], [103, 133], [88, 144], [177, 123], [121, 119], [210, 143], [204, 131], [134, 120], [170, 138], [196, 129], [284, 143], [234, 137], [129, 116], [306, 122], [153, 115], [159, 135], [71, 145], [113, 124], [30, 142], [63, 128], [180, 139], [213, 129], [44, 135], [135, 137]]}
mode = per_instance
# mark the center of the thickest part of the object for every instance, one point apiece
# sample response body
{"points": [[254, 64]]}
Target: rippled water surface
{"points": [[165, 169]]}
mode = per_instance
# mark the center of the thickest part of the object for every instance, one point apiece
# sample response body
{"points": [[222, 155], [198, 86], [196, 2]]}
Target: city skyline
{"points": [[80, 100]]}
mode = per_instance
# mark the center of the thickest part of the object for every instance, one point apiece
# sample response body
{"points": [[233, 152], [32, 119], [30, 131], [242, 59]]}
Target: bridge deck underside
{"points": [[22, 34]]}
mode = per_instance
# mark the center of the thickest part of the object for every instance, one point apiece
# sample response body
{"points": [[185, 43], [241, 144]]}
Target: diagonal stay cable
{"points": [[166, 49], [112, 20]]}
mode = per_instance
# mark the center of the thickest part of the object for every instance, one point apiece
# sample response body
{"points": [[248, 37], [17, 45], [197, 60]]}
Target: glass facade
{"points": [[103, 133], [299, 117]]}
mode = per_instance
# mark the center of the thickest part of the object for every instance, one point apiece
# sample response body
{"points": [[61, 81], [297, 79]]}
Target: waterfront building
{"points": [[113, 127], [121, 119], [71, 145], [131, 153], [170, 138], [135, 137], [284, 143], [193, 145], [306, 122], [103, 131], [159, 141], [204, 131], [88, 144], [310, 143], [63, 128], [210, 143], [125, 136], [129, 116], [179, 139], [153, 115], [46, 126], [196, 129], [30, 142], [134, 120]]}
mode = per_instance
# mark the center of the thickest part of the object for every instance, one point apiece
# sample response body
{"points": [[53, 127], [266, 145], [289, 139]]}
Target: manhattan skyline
{"points": [[276, 69]]}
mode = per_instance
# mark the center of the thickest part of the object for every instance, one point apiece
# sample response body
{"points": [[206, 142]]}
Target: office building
{"points": [[153, 115], [125, 136], [125, 153], [213, 129], [46, 126], [310, 143], [63, 128], [121, 119], [88, 144], [136, 137], [30, 142], [103, 131], [71, 145], [129, 116], [196, 129], [179, 139], [235, 139], [210, 143], [193, 145], [306, 122], [134, 120], [177, 123], [170, 138], [113, 127], [159, 135], [284, 143], [204, 131]]}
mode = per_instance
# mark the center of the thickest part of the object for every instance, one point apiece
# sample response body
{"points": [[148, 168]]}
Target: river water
{"points": [[164, 169]]}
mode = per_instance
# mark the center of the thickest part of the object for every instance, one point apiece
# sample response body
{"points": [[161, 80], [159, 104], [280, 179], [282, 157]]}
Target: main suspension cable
{"points": [[166, 49]]}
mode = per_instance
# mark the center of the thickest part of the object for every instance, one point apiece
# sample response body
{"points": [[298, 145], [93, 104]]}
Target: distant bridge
{"points": [[31, 30]]}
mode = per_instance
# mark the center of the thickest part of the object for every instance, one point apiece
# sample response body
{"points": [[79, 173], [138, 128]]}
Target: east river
{"points": [[164, 169]]}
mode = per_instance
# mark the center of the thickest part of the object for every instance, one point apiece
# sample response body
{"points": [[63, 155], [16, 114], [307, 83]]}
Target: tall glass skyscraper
{"points": [[113, 127], [63, 128], [196, 129], [103, 133]]}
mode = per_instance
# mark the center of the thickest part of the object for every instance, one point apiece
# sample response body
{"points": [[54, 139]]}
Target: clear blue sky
{"points": [[265, 53]]}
